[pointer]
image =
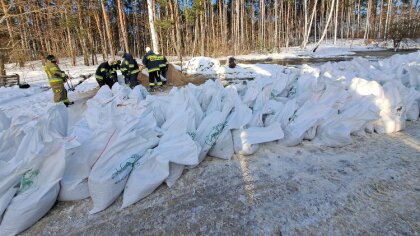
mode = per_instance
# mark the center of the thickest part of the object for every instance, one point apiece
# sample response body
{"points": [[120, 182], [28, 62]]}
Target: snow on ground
{"points": [[127, 142], [328, 49]]}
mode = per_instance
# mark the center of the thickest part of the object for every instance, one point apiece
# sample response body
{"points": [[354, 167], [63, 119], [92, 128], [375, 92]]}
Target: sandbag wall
{"points": [[129, 142]]}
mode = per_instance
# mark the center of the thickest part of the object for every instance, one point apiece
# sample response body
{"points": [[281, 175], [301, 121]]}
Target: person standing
{"points": [[56, 78], [104, 73], [151, 61], [129, 68], [163, 68]]}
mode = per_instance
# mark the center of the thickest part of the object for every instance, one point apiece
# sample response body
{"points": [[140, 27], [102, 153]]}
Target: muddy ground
{"points": [[370, 187]]}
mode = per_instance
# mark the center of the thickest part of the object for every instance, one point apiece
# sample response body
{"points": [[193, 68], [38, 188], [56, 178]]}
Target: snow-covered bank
{"points": [[129, 142]]}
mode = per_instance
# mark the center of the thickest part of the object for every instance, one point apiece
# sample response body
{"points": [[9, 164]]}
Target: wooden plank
{"points": [[9, 80]]}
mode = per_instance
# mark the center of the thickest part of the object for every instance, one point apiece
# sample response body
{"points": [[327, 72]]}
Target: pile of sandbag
{"points": [[32, 165], [129, 143]]}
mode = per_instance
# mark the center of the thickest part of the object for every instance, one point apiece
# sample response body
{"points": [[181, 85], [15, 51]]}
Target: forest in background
{"points": [[31, 29]]}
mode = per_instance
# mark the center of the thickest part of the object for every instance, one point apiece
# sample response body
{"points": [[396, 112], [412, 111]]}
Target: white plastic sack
{"points": [[109, 174], [308, 116], [223, 148], [4, 121], [413, 111], [153, 169], [336, 130], [245, 140], [37, 193], [5, 200]]}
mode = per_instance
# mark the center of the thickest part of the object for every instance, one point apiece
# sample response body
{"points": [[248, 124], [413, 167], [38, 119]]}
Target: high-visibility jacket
{"points": [[162, 61], [151, 61], [129, 66], [54, 73], [114, 67], [103, 73]]}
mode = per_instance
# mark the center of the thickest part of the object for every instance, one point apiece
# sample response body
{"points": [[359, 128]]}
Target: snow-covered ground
{"points": [[128, 142]]}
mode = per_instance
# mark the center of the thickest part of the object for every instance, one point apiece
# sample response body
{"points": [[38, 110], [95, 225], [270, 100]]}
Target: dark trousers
{"points": [[162, 72], [133, 82], [154, 76]]}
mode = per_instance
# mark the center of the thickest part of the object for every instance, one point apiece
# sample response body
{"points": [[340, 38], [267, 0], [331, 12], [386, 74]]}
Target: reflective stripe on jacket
{"points": [[53, 72]]}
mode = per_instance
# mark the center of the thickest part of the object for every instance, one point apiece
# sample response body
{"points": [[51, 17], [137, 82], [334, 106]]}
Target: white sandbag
{"points": [[246, 140], [136, 94], [78, 164], [308, 116], [39, 136], [394, 106], [5, 200], [240, 115], [37, 193], [223, 148], [241, 147], [80, 158], [4, 121], [413, 111], [365, 87], [153, 169], [209, 131], [284, 115], [336, 130], [175, 172], [10, 140], [109, 174]]}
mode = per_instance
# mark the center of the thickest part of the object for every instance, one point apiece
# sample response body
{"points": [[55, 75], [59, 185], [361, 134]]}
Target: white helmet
{"points": [[148, 49]]}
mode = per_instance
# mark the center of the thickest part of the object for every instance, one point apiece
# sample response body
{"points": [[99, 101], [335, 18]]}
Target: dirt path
{"points": [[368, 188]]}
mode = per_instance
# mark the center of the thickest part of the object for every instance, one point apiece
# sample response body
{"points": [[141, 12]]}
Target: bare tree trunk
{"points": [[326, 26], [276, 24], [121, 17], [336, 21], [9, 28], [387, 19], [108, 29], [367, 26], [307, 33], [152, 26], [2, 70]]}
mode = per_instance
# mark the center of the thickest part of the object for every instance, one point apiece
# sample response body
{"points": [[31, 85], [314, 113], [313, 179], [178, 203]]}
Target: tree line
{"points": [[31, 29]]}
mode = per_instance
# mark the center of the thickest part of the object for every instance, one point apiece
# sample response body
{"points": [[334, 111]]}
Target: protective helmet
{"points": [[148, 49], [120, 53], [51, 58]]}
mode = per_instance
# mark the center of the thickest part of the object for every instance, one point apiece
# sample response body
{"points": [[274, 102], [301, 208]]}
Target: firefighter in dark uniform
{"points": [[163, 67], [129, 68], [104, 74], [114, 67], [151, 61], [56, 78]]}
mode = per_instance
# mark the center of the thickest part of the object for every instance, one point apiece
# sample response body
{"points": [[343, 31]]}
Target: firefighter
{"points": [[129, 68], [151, 61], [104, 73], [57, 78], [115, 66], [163, 68]]}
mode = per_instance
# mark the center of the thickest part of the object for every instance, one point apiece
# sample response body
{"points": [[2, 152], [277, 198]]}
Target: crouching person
{"points": [[129, 68], [56, 78], [104, 74]]}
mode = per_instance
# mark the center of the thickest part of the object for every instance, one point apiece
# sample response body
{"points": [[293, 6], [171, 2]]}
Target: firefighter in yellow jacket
{"points": [[57, 78]]}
